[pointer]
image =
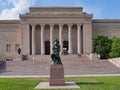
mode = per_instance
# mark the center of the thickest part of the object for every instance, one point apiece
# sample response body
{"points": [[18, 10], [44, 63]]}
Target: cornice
{"points": [[56, 15], [10, 21], [106, 21]]}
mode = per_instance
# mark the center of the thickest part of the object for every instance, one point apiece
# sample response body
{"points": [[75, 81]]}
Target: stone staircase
{"points": [[63, 57], [73, 65]]}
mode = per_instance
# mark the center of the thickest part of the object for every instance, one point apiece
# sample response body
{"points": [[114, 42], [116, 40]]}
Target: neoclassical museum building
{"points": [[36, 31]]}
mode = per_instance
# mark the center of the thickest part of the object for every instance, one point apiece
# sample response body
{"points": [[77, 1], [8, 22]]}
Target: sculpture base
{"points": [[68, 85], [57, 75]]}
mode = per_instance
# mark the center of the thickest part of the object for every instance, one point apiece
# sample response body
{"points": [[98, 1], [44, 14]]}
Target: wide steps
{"points": [[63, 57]]}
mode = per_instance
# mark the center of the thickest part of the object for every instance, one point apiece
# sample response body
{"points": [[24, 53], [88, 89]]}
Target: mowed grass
{"points": [[85, 83]]}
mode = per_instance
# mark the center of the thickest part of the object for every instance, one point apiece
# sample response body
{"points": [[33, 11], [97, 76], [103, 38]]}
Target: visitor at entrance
{"points": [[65, 52], [19, 51], [74, 51]]}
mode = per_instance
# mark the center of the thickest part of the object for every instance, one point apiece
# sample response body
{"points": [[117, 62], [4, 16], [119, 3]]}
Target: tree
{"points": [[102, 46], [115, 48]]}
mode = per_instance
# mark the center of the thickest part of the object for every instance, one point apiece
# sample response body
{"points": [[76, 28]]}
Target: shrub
{"points": [[102, 46], [115, 48]]}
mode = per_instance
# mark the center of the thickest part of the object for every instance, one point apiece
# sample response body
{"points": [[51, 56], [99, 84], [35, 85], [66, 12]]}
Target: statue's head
{"points": [[56, 42]]}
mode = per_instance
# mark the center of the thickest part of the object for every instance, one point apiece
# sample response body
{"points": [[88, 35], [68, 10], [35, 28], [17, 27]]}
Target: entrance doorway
{"points": [[65, 47], [47, 47]]}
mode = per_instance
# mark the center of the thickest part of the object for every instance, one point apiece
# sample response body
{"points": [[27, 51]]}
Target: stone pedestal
{"points": [[57, 75]]}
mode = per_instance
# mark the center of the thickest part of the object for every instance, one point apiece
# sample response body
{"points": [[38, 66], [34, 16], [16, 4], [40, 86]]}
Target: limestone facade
{"points": [[36, 31], [10, 33], [106, 27]]}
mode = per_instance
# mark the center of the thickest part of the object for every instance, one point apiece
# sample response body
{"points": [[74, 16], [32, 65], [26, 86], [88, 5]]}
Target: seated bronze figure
{"points": [[55, 53]]}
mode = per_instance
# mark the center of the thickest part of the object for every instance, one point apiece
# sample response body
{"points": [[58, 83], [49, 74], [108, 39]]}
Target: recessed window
{"points": [[17, 46], [8, 47]]}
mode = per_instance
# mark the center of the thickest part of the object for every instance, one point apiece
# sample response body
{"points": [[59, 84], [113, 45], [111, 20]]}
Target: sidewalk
{"points": [[44, 76]]}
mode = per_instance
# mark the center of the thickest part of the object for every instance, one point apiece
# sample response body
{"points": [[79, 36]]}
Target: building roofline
{"points": [[106, 20], [57, 7], [54, 8]]}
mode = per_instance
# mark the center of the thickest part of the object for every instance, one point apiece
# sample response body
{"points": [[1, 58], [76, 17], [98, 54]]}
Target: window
{"points": [[8, 47], [17, 46]]}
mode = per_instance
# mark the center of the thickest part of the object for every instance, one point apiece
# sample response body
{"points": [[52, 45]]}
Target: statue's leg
{"points": [[55, 59], [59, 60], [52, 56]]}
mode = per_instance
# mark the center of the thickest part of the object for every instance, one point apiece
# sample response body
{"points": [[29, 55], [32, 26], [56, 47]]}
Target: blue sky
{"points": [[101, 9]]}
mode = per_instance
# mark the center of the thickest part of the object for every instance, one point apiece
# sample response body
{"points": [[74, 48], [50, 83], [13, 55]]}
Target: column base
{"points": [[69, 52]]}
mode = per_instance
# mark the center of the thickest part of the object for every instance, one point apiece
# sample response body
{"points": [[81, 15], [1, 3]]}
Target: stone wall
{"points": [[10, 33], [106, 27]]}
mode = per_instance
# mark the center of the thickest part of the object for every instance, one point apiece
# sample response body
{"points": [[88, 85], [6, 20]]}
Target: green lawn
{"points": [[85, 83]]}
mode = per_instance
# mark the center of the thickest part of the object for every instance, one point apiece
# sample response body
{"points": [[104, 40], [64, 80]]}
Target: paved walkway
{"points": [[73, 66]]}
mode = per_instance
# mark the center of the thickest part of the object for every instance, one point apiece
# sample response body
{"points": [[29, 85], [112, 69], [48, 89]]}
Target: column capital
{"points": [[60, 27], [61, 24], [42, 25], [33, 24], [79, 24], [51, 25], [33, 27], [70, 24]]}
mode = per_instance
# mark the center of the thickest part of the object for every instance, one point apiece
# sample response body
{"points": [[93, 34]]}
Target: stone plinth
{"points": [[68, 85], [57, 75]]}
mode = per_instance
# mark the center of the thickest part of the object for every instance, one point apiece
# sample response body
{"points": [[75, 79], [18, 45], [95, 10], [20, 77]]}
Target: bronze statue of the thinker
{"points": [[55, 53]]}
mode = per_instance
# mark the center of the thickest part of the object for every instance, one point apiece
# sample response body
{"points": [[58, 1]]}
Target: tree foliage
{"points": [[115, 48], [102, 46]]}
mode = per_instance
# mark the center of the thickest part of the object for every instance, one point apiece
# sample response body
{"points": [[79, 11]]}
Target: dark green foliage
{"points": [[102, 46], [115, 49]]}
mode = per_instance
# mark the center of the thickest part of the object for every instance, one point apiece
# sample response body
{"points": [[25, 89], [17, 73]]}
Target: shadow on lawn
{"points": [[89, 83]]}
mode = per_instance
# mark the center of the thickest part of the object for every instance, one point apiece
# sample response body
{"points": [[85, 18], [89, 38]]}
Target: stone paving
{"points": [[73, 65]]}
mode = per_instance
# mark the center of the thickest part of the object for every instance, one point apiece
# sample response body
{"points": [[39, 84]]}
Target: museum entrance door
{"points": [[65, 47], [47, 47]]}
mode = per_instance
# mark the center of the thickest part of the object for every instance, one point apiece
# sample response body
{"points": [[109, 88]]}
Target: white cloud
{"points": [[95, 10], [19, 7]]}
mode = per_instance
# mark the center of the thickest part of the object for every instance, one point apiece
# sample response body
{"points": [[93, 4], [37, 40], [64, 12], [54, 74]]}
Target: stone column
{"points": [[51, 37], [79, 38], [42, 39], [69, 38], [33, 39], [60, 38]]}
